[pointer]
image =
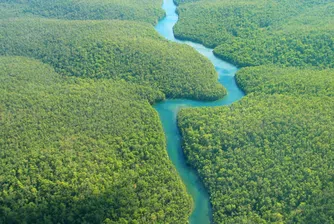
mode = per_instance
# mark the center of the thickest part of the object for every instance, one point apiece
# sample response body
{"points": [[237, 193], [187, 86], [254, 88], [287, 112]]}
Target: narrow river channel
{"points": [[168, 113]]}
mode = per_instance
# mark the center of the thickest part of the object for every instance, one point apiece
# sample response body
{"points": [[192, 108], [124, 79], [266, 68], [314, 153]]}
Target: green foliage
{"points": [[292, 81], [310, 48], [140, 10], [179, 2], [115, 50], [265, 159], [82, 151], [297, 33], [268, 158], [12, 11]]}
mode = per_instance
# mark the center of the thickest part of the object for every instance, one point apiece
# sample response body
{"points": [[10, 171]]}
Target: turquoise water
{"points": [[168, 112]]}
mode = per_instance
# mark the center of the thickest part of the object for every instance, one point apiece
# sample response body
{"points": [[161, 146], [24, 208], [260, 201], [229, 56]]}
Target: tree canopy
{"points": [[114, 50], [265, 159], [82, 151], [141, 10], [291, 81], [269, 157], [298, 33]]}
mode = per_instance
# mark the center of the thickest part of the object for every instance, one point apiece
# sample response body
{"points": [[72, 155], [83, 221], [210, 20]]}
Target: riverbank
{"points": [[168, 110]]}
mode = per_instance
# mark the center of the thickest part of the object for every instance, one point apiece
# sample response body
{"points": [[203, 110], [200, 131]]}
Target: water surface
{"points": [[168, 113]]}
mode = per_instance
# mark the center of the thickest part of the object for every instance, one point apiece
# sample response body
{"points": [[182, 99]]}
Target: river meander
{"points": [[168, 113]]}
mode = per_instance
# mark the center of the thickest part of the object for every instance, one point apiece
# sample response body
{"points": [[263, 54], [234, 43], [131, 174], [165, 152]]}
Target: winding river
{"points": [[168, 112]]}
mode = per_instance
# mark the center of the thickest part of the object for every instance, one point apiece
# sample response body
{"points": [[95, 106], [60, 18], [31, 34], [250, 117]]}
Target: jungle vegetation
{"points": [[247, 33], [269, 157], [116, 50], [79, 150], [80, 142], [289, 81], [266, 159], [140, 10]]}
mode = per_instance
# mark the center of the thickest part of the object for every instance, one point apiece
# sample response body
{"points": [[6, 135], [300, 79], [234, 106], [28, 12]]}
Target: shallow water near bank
{"points": [[168, 110]]}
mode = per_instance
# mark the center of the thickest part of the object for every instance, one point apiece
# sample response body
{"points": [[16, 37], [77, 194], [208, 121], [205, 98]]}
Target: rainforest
{"points": [[162, 111]]}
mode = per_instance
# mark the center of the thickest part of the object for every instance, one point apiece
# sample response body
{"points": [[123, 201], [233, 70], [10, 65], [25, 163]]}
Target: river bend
{"points": [[168, 113]]}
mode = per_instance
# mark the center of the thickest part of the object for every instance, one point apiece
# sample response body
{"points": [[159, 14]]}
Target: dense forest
{"points": [[269, 157], [81, 143], [265, 159], [140, 10], [82, 151], [113, 49], [79, 139], [256, 32], [292, 81]]}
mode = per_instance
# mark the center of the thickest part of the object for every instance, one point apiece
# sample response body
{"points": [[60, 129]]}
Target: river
{"points": [[168, 110]]}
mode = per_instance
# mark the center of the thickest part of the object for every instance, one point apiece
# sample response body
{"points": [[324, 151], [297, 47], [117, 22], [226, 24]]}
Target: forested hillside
{"points": [[114, 50], [293, 33], [291, 81], [82, 151], [268, 158], [81, 143], [141, 10], [265, 159]]}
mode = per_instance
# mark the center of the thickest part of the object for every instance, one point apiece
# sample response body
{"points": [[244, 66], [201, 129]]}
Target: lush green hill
{"points": [[82, 151], [291, 81], [298, 33], [114, 50], [265, 159], [140, 10], [269, 157]]}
